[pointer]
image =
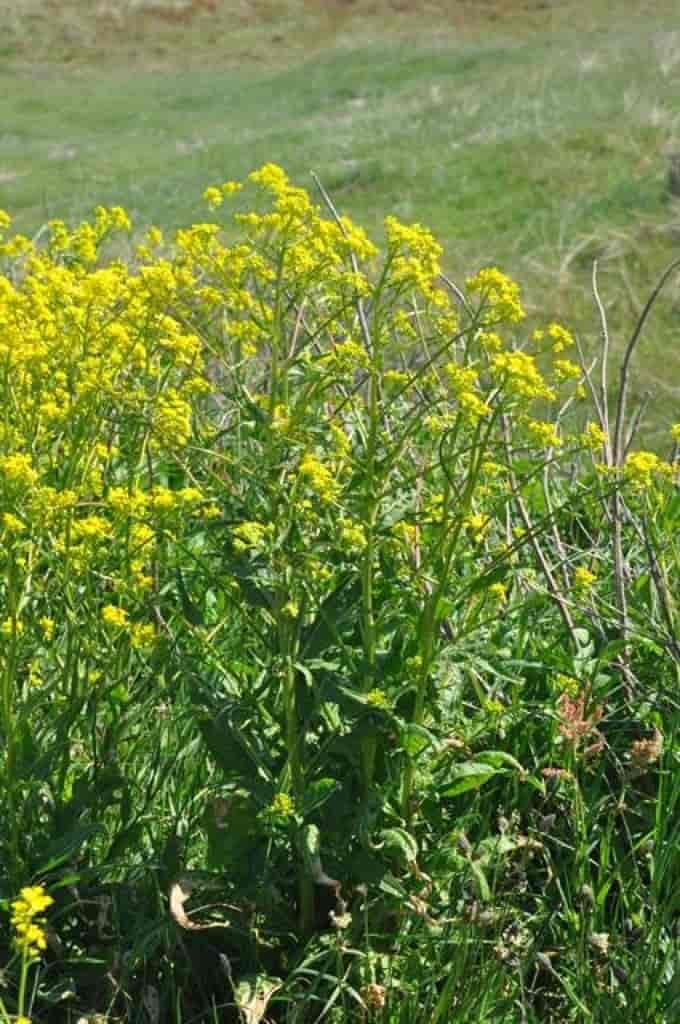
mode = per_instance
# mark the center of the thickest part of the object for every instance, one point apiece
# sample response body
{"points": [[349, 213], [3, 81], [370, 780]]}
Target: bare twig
{"points": [[365, 330], [553, 588], [603, 408], [625, 365]]}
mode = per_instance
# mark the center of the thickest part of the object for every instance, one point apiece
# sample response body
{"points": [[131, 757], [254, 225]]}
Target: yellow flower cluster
{"points": [[520, 376], [594, 437], [318, 478], [584, 578], [249, 535], [500, 295], [641, 469], [352, 535], [463, 381], [477, 525], [282, 806], [542, 434], [28, 921], [414, 256], [378, 699]]}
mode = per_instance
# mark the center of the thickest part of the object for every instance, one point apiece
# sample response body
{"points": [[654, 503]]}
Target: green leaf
{"points": [[470, 775], [192, 612], [498, 758], [399, 842], [65, 846], [480, 878], [234, 753], [334, 611], [416, 738], [309, 842], [317, 793], [243, 571], [483, 582]]}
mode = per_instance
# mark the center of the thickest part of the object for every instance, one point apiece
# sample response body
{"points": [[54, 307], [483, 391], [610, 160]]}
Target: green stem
{"points": [[8, 676], [297, 772], [368, 744]]}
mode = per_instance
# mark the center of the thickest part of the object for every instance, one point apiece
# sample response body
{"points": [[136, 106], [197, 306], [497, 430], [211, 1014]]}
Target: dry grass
{"points": [[162, 33]]}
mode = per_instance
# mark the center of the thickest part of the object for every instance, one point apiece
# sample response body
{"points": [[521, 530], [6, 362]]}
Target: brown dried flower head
{"points": [[576, 724], [374, 996], [646, 752]]}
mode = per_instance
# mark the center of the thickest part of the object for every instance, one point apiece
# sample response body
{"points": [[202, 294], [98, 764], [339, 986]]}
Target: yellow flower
{"points": [[560, 337], [91, 529], [476, 525], [500, 293], [499, 592], [567, 684], [18, 469], [594, 437], [378, 699], [566, 370], [213, 197], [473, 406], [282, 806], [115, 617], [584, 578], [318, 478], [346, 357], [173, 419], [26, 919], [521, 375], [352, 535], [249, 535], [270, 176], [490, 341], [11, 627], [395, 379], [47, 626], [12, 523], [142, 635], [642, 467], [544, 434]]}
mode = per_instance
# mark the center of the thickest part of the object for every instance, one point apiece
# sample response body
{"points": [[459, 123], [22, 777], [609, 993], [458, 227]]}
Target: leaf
{"points": [[242, 569], [310, 845], [323, 632], [192, 612], [317, 793], [416, 738], [470, 775], [66, 846], [482, 884], [483, 582], [399, 841], [582, 638], [611, 650], [498, 758], [252, 995], [233, 751]]}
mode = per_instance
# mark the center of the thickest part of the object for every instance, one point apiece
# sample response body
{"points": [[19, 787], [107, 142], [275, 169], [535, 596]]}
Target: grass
{"points": [[534, 136]]}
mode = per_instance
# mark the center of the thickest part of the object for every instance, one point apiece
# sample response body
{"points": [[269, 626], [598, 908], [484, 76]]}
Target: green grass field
{"points": [[531, 135]]}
